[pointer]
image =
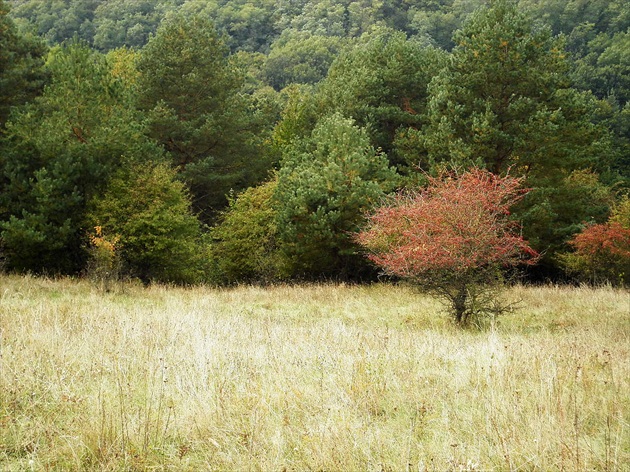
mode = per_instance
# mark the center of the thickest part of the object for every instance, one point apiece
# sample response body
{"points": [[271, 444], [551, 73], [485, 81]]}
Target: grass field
{"points": [[321, 378]]}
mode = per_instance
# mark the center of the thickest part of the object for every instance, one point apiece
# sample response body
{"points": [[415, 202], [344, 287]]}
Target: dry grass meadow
{"points": [[310, 378]]}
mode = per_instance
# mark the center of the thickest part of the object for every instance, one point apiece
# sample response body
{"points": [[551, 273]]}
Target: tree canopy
{"points": [[21, 65], [61, 150], [325, 184], [190, 91], [278, 125]]}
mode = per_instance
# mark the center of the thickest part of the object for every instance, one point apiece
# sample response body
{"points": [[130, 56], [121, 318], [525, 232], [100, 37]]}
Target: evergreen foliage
{"points": [[325, 184], [381, 83], [505, 100], [63, 148], [339, 100], [21, 65], [190, 91], [505, 103]]}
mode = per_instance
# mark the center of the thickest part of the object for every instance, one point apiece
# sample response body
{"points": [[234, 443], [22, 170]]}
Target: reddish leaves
{"points": [[602, 254], [456, 224], [604, 240]]}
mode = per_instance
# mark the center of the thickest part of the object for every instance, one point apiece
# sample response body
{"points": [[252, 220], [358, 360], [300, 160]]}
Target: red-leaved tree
{"points": [[453, 238], [602, 254]]}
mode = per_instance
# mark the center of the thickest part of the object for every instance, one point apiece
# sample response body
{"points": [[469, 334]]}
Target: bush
{"points": [[244, 245], [159, 235], [452, 239], [602, 251], [104, 264]]}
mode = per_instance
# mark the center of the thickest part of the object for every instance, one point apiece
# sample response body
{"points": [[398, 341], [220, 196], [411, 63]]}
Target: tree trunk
{"points": [[459, 305]]}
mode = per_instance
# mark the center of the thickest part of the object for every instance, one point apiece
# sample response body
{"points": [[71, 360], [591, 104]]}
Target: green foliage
{"points": [[190, 90], [605, 68], [382, 84], [254, 25], [621, 212], [505, 103], [511, 95], [58, 20], [322, 18], [244, 242], [436, 21], [299, 116], [565, 16], [118, 23], [350, 18], [602, 65], [248, 25], [43, 243], [505, 100], [62, 149], [21, 61], [325, 184], [150, 211], [299, 57]]}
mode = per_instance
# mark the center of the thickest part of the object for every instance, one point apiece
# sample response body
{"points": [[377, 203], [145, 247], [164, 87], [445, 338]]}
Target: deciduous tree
{"points": [[300, 57], [245, 245], [149, 209], [453, 239], [601, 252]]}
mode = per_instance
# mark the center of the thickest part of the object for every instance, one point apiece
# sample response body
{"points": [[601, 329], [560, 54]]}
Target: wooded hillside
{"points": [[225, 141]]}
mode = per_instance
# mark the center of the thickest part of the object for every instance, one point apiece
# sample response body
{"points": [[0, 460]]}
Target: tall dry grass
{"points": [[308, 378]]}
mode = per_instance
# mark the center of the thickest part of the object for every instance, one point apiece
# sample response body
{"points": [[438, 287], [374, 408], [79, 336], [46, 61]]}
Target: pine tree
{"points": [[381, 83], [505, 103], [61, 152], [191, 92], [325, 184], [505, 100], [21, 66]]}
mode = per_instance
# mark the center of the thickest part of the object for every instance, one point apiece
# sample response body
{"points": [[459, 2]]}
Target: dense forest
{"points": [[227, 141]]}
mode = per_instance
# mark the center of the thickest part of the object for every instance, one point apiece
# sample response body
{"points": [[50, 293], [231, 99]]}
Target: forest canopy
{"points": [[248, 140]]}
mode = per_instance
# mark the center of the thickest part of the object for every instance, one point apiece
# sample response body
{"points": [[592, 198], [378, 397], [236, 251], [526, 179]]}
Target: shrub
{"points": [[244, 245], [150, 210], [602, 251], [453, 239], [104, 264]]}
